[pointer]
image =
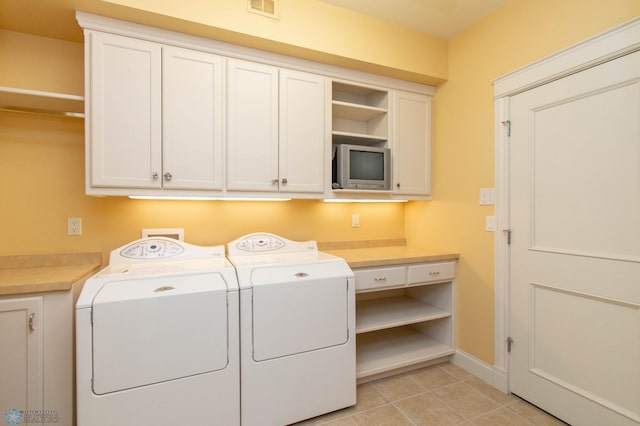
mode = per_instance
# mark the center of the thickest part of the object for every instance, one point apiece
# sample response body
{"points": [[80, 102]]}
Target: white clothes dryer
{"points": [[297, 330], [157, 338]]}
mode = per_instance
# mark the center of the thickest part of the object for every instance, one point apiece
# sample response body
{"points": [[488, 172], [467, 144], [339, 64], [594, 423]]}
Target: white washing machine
{"points": [[297, 330], [157, 338]]}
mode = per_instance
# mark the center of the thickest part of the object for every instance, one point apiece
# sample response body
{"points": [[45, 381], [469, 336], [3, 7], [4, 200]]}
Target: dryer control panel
{"points": [[263, 242], [260, 242]]}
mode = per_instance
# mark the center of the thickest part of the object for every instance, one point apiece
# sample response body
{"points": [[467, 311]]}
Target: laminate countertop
{"points": [[358, 256], [43, 273]]}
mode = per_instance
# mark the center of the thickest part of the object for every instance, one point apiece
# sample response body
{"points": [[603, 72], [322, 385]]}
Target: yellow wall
{"points": [[42, 180], [518, 33]]}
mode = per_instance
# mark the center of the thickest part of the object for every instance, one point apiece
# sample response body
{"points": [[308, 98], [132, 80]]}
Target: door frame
{"points": [[611, 44]]}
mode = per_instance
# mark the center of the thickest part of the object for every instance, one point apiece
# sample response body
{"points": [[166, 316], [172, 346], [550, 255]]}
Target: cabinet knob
{"points": [[274, 182], [398, 185], [154, 175], [167, 176], [284, 181]]}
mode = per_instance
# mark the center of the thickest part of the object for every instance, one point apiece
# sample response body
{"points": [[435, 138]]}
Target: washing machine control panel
{"points": [[260, 242], [151, 248]]}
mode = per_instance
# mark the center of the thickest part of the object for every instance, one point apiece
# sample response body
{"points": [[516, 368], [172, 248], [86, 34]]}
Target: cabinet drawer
{"points": [[374, 278], [441, 271]]}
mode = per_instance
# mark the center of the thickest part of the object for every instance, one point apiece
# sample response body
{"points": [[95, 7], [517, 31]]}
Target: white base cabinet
{"points": [[404, 317], [36, 358], [20, 355]]}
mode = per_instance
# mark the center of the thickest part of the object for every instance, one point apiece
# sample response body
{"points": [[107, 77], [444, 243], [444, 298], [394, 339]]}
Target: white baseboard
{"points": [[494, 376]]}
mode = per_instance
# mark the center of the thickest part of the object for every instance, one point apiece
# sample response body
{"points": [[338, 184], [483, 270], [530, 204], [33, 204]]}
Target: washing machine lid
{"points": [[155, 329]]}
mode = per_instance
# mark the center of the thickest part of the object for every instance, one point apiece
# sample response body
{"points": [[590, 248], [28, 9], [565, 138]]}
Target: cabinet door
{"points": [[411, 149], [123, 116], [21, 355], [192, 119], [302, 132], [252, 138]]}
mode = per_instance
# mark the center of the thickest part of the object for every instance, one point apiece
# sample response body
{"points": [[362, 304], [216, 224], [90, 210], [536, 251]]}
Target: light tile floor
{"points": [[442, 394]]}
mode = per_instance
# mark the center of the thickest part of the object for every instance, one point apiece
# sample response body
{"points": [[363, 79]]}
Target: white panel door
{"points": [[192, 119], [301, 144], [252, 127], [575, 253], [124, 112], [21, 357], [411, 149]]}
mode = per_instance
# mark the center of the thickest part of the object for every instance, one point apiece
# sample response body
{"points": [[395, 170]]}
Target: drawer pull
{"points": [[434, 274], [380, 279]]}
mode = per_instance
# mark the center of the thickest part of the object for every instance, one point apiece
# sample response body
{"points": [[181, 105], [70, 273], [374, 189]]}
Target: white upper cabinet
{"points": [[252, 127], [124, 112], [170, 114], [192, 134], [275, 139], [155, 116], [411, 149], [302, 132]]}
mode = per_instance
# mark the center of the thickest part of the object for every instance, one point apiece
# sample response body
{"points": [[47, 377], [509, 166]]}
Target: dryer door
{"points": [[298, 308], [156, 329]]}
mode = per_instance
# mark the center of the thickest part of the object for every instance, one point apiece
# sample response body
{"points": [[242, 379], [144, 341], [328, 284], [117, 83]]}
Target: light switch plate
{"points": [[487, 196]]}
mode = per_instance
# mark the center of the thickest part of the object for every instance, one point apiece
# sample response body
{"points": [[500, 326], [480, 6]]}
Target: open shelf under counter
{"points": [[395, 348], [378, 314]]}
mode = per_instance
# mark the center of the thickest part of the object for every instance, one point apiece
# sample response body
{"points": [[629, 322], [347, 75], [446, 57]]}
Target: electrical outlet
{"points": [[355, 220], [74, 226]]}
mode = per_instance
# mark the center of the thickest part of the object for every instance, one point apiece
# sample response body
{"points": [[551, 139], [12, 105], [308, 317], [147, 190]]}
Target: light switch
{"points": [[487, 196]]}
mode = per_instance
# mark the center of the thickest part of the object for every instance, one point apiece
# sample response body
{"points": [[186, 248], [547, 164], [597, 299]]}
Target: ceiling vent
{"points": [[264, 7]]}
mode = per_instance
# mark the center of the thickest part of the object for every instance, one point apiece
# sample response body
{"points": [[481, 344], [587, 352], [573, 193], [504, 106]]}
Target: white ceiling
{"points": [[442, 18]]}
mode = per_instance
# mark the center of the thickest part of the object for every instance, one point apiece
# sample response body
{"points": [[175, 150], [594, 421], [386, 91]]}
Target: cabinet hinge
{"points": [[509, 343]]}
